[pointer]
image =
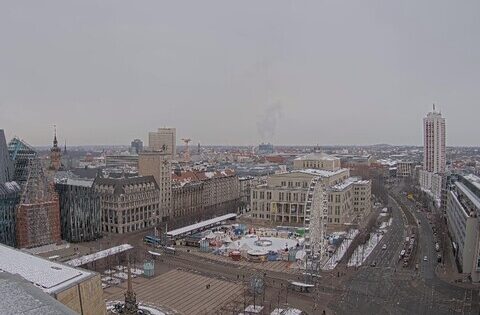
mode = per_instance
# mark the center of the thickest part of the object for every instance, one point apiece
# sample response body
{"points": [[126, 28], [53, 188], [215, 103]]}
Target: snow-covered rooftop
{"points": [[322, 173], [343, 185], [49, 276], [98, 255], [317, 157], [475, 180], [80, 182], [289, 311], [200, 225]]}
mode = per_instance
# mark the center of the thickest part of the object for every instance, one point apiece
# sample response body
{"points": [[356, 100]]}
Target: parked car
{"points": [[384, 246]]}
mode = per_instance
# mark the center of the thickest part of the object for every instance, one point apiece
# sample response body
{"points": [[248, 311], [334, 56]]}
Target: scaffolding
{"points": [[38, 214]]}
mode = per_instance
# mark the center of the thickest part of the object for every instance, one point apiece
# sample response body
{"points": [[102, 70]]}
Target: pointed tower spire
{"points": [[55, 142]]}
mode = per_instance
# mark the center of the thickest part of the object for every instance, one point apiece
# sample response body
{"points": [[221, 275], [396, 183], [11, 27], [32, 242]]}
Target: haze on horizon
{"points": [[222, 72]]}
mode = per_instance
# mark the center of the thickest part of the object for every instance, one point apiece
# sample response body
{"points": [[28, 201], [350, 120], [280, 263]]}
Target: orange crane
{"points": [[186, 155]]}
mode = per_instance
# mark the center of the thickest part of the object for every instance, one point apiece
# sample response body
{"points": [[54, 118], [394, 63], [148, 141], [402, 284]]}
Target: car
{"points": [[373, 264], [425, 258], [384, 246]]}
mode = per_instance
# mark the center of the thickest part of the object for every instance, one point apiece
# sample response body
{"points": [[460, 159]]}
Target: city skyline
{"points": [[319, 73]]}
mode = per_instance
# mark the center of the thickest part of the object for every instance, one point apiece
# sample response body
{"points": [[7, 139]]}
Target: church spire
{"points": [[55, 142]]}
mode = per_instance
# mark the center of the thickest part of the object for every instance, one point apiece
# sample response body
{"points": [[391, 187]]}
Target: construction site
{"points": [[37, 216]]}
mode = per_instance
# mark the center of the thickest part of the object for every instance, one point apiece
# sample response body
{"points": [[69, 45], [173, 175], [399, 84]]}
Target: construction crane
{"points": [[186, 155]]}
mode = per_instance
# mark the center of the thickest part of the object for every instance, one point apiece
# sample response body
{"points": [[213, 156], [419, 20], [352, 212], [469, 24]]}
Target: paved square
{"points": [[181, 291]]}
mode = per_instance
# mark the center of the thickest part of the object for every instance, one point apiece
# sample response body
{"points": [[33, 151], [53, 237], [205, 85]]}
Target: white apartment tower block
{"points": [[434, 155]]}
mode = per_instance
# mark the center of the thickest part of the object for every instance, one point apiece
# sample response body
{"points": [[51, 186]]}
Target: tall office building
{"points": [[136, 146], [164, 139], [434, 155], [158, 165]]}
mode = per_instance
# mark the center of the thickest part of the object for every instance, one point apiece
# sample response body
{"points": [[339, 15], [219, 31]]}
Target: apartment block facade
{"points": [[128, 204], [205, 194], [282, 199]]}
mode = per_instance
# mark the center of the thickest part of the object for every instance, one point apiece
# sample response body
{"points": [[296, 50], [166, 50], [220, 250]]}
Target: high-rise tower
{"points": [[434, 154], [165, 140]]}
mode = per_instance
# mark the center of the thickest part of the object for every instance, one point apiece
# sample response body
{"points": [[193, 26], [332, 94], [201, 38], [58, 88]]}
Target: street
{"points": [[389, 288]]}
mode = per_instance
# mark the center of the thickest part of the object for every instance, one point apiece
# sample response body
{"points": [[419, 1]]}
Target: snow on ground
{"points": [[362, 252], [142, 306], [341, 250]]}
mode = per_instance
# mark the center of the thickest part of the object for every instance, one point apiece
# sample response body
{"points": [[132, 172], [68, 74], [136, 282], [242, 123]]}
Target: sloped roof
{"points": [[193, 176], [120, 183], [17, 146]]}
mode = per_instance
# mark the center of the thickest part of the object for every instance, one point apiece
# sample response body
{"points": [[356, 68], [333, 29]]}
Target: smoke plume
{"points": [[267, 125]]}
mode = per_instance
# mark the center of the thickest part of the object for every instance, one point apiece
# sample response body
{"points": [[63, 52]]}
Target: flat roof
{"points": [[473, 198], [317, 156], [321, 173], [49, 276], [200, 225], [98, 255]]}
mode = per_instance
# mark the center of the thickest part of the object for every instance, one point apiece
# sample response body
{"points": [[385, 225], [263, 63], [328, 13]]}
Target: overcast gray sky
{"points": [[239, 72]]}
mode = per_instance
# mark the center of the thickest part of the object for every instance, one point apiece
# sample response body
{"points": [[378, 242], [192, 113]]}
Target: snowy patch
{"points": [[341, 250], [362, 252]]}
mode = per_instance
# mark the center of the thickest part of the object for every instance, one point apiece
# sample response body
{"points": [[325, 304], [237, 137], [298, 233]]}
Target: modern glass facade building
{"points": [[9, 199], [80, 214]]}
